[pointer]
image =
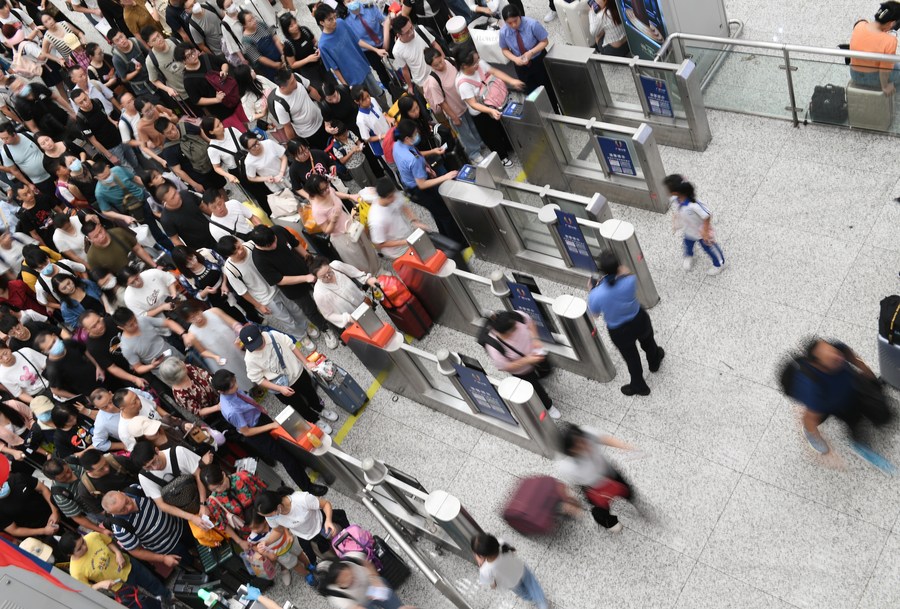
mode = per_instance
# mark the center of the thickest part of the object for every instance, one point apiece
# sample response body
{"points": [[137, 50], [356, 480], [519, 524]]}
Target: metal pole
{"points": [[447, 511], [790, 81], [421, 563], [529, 411], [578, 327], [376, 474]]}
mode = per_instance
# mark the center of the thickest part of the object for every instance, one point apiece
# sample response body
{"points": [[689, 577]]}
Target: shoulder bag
{"points": [[182, 491]]}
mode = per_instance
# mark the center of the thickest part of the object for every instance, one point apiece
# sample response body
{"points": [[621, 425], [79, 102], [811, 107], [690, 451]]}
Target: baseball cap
{"points": [[71, 41], [40, 404], [37, 548], [252, 337], [140, 427]]}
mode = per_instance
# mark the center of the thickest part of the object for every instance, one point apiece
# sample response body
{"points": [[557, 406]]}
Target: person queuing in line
{"points": [[615, 297], [391, 220], [442, 96], [695, 221], [339, 289]]}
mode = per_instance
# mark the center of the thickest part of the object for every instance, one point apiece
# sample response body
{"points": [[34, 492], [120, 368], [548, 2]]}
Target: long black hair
{"points": [[501, 322], [489, 546], [609, 266], [14, 416], [246, 82]]}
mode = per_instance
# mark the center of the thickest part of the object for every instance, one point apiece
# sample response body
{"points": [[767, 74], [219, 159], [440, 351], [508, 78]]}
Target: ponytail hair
{"points": [[268, 501], [684, 189], [489, 546], [609, 266]]}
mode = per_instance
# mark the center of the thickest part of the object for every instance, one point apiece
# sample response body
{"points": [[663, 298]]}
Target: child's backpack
{"points": [[355, 539]]}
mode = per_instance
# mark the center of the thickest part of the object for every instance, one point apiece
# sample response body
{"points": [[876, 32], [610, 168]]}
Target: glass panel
{"points": [[818, 71], [572, 207], [576, 143], [483, 297], [668, 77], [522, 196], [620, 83], [534, 234], [748, 81], [436, 379]]}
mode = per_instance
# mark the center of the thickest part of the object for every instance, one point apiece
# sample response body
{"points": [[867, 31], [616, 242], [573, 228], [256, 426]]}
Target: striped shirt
{"points": [[63, 494], [154, 530]]}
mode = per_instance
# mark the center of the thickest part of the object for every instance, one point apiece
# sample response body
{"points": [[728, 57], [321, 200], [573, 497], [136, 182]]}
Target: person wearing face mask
{"points": [[70, 370], [40, 261]]}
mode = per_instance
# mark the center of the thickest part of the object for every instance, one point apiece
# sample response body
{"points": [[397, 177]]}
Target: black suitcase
{"points": [[393, 569]]}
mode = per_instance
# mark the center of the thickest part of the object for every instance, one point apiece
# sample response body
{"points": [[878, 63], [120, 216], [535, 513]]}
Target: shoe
{"points": [[325, 427], [661, 354], [317, 489], [329, 415], [873, 458], [312, 331], [615, 528], [716, 269], [506, 162], [331, 341], [816, 442], [629, 390], [688, 263], [476, 158], [286, 577], [554, 413], [550, 16], [311, 580]]}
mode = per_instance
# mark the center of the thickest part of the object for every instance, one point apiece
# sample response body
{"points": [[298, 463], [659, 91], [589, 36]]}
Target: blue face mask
{"points": [[4, 490], [354, 6], [47, 270], [58, 348], [26, 90], [416, 140], [44, 417], [75, 166]]}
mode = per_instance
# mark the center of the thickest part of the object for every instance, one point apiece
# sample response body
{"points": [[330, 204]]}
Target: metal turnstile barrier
{"points": [[532, 239], [669, 97], [433, 380], [586, 156]]}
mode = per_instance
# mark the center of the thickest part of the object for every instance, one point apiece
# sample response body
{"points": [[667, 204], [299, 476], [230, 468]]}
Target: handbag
{"points": [[355, 230], [258, 565], [309, 223], [210, 538], [25, 66], [132, 205], [282, 203], [605, 491], [234, 521]]}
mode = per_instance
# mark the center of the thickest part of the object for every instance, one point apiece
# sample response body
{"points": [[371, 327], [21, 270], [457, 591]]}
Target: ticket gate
{"points": [[545, 241], [586, 156], [461, 300], [668, 95], [452, 384]]}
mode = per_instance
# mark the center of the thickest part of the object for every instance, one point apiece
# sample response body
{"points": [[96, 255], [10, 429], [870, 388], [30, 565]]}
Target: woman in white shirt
{"points": [[22, 372], [337, 289], [500, 567], [225, 149], [311, 519], [607, 28], [266, 161], [252, 88]]}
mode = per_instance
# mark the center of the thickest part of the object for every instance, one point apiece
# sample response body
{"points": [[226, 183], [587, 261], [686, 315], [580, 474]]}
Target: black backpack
{"points": [[829, 104], [889, 319]]}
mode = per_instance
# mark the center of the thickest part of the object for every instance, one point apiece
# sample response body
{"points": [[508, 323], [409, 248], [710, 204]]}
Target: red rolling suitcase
{"points": [[404, 309], [533, 507]]}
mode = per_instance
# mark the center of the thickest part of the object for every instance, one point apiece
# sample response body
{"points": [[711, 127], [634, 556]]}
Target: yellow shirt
{"points": [[98, 562]]}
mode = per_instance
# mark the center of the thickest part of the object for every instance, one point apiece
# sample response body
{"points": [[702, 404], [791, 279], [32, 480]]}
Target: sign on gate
{"points": [[522, 300], [483, 394], [573, 240], [657, 93], [617, 156]]}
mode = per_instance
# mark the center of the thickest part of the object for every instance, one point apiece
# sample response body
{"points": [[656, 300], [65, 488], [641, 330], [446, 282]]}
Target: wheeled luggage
{"points": [[534, 505], [341, 388], [573, 17], [404, 309], [393, 569], [889, 362]]}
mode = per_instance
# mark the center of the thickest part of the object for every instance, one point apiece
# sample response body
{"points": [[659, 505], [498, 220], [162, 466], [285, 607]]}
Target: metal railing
{"points": [[804, 66]]}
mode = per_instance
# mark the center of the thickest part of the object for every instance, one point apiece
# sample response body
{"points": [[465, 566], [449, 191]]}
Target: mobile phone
{"points": [[167, 353]]}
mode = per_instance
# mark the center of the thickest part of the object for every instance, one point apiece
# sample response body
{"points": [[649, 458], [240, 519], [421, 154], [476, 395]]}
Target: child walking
{"points": [[500, 567], [695, 221]]}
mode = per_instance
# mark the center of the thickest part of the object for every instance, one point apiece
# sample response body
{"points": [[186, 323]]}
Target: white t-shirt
{"points": [[411, 54], [188, 462], [305, 115], [65, 242], [585, 470], [372, 123], [389, 224], [230, 141], [264, 363], [237, 219], [266, 164], [128, 126], [243, 277], [506, 571], [11, 259], [148, 409], [305, 519], [467, 90], [691, 217], [154, 291], [22, 375]]}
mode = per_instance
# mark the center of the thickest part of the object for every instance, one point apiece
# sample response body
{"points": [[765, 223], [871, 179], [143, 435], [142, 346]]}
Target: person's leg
{"points": [[142, 577], [714, 252], [319, 139], [537, 74], [529, 589], [308, 549], [376, 90], [811, 421], [624, 338], [380, 70], [648, 341], [542, 394], [468, 135], [272, 448], [306, 387], [299, 403], [126, 153], [288, 315], [689, 247], [391, 602], [308, 305]]}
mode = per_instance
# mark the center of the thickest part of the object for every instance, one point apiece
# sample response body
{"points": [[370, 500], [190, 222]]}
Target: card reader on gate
{"points": [[514, 110], [466, 174]]}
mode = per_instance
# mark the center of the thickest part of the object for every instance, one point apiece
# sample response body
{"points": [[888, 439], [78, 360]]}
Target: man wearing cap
{"points": [[146, 532], [274, 362], [252, 422], [133, 403]]}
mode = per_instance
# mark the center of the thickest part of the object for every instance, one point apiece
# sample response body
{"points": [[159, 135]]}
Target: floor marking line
{"points": [[351, 420]]}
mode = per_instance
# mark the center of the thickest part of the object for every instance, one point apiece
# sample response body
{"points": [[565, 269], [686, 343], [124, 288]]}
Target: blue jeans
{"points": [[468, 134], [528, 589], [142, 577], [714, 251], [872, 80], [392, 602]]}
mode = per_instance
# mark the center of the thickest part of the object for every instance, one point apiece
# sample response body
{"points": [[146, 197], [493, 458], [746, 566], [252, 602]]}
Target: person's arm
{"points": [[424, 183], [326, 507], [145, 368], [44, 490], [255, 431], [513, 83], [141, 253], [413, 218], [86, 523], [297, 279], [181, 173], [178, 512], [18, 175], [614, 442], [377, 50], [120, 373], [339, 76], [169, 560]]}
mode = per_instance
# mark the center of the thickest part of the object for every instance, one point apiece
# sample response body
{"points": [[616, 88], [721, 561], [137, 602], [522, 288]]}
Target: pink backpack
{"points": [[355, 539], [492, 91]]}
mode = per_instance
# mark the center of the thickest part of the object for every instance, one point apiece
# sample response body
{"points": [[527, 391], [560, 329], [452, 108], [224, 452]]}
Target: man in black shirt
{"points": [[69, 369], [182, 219], [306, 162], [35, 213], [103, 345], [338, 105], [43, 109], [282, 262], [21, 334], [103, 473], [199, 89], [185, 152], [101, 131], [27, 510]]}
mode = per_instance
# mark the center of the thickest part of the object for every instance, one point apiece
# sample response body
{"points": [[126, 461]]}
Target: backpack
{"points": [[355, 539], [387, 145], [277, 132], [182, 491], [193, 147], [828, 104], [492, 91], [889, 319]]}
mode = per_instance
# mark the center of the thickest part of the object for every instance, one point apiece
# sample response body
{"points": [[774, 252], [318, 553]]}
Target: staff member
{"points": [[523, 41], [627, 321]]}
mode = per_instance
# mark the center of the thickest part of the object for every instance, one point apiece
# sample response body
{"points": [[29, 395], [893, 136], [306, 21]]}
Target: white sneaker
{"points": [[476, 158], [325, 427], [506, 162], [688, 263], [715, 270], [286, 577], [331, 341], [312, 331], [616, 528], [550, 16], [329, 415], [554, 413]]}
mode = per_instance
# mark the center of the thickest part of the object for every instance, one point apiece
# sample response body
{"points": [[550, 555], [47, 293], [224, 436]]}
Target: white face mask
{"points": [[109, 284]]}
